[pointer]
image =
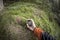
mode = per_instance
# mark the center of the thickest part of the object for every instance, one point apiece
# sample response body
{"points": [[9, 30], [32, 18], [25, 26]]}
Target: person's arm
{"points": [[39, 33]]}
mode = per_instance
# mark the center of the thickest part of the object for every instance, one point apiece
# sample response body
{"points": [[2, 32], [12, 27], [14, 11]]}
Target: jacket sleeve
{"points": [[42, 35], [38, 33], [47, 36]]}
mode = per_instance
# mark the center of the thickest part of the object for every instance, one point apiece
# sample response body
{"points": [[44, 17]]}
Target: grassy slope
{"points": [[30, 10]]}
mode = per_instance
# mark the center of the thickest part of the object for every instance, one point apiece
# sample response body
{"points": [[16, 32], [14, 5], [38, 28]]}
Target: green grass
{"points": [[30, 11]]}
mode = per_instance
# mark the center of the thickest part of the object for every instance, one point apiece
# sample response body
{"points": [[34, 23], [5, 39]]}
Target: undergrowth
{"points": [[43, 18]]}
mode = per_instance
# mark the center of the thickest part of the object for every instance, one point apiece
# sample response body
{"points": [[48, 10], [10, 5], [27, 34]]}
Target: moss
{"points": [[27, 11]]}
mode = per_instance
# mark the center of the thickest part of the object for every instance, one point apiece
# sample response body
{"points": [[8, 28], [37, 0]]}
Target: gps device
{"points": [[29, 22]]}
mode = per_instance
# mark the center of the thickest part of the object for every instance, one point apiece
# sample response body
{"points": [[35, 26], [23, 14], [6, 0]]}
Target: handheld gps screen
{"points": [[29, 22]]}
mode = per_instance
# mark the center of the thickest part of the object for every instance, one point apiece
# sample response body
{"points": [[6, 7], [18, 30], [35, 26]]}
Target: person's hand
{"points": [[33, 25]]}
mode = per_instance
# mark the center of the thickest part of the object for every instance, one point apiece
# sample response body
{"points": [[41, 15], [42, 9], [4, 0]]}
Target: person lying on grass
{"points": [[39, 33]]}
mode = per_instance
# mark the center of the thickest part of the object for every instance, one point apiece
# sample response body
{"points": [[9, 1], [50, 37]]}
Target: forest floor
{"points": [[42, 16]]}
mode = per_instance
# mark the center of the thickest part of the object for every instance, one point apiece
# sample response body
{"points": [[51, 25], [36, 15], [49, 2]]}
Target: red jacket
{"points": [[42, 35], [38, 33]]}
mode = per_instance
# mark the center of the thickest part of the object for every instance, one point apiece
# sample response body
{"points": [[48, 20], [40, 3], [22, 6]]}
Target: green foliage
{"points": [[31, 11]]}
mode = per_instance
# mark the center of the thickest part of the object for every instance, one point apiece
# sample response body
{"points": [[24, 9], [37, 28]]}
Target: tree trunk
{"points": [[1, 5]]}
